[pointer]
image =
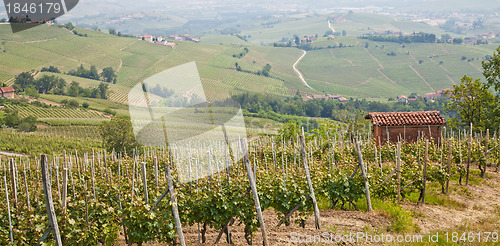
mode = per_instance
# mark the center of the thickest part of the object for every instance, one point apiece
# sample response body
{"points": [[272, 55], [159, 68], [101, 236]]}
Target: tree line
{"points": [[420, 37], [12, 119], [51, 84], [107, 74], [268, 106]]}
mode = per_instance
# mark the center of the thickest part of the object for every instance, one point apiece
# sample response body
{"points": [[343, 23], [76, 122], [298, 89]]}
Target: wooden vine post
{"points": [[398, 169], [425, 169], [8, 210], [156, 171], [65, 188], [449, 167], [51, 214], [145, 182], [254, 191], [486, 143], [13, 180], [26, 186], [105, 165], [498, 149], [175, 210], [309, 182], [468, 156], [365, 179]]}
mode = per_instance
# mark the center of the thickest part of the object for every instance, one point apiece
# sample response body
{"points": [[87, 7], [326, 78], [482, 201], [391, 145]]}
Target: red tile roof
{"points": [[7, 89], [406, 118]]}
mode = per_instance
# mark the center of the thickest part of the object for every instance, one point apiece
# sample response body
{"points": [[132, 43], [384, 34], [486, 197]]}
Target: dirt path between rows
{"points": [[422, 77], [480, 203], [301, 76]]}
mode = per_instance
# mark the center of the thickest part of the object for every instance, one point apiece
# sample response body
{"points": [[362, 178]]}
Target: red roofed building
{"points": [[7, 92], [406, 126], [148, 38]]}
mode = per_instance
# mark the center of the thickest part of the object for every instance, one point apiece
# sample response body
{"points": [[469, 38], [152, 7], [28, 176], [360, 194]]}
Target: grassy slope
{"points": [[353, 71], [136, 60]]}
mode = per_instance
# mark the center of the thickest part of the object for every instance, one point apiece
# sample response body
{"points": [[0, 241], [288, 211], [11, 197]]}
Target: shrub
{"points": [[85, 105], [109, 111], [73, 103]]}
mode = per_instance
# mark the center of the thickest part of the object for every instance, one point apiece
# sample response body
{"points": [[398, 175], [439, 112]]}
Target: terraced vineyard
{"points": [[371, 72], [57, 112]]}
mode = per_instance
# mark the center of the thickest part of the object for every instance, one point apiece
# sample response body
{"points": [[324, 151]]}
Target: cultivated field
{"points": [[113, 198]]}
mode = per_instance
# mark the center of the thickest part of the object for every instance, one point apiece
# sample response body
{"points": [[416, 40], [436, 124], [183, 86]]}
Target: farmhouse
{"points": [[7, 92], [406, 126], [148, 38]]}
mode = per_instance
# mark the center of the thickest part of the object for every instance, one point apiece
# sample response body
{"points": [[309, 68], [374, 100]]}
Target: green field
{"points": [[135, 59], [360, 69], [356, 24], [370, 72]]}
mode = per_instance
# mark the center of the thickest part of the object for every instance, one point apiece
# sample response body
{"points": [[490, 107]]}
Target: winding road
{"points": [[301, 76], [331, 27]]}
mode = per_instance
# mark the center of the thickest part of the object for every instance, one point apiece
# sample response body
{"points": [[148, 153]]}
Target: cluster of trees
{"points": [[117, 134], [473, 101], [242, 37], [268, 106], [266, 70], [72, 28], [31, 86], [107, 74], [51, 84], [241, 54], [446, 38], [119, 34], [13, 120], [51, 69], [420, 37], [74, 103], [75, 90], [160, 91], [283, 44]]}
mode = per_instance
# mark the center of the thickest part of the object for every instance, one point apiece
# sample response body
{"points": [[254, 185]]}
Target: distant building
{"points": [[402, 99], [406, 126], [148, 38], [7, 92], [437, 94], [326, 97]]}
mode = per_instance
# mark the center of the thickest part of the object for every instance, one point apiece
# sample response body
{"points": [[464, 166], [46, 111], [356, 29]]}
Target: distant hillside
{"points": [[360, 68], [133, 59]]}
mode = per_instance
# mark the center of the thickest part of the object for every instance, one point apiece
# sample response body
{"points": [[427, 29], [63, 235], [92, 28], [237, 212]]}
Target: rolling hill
{"points": [[346, 65]]}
